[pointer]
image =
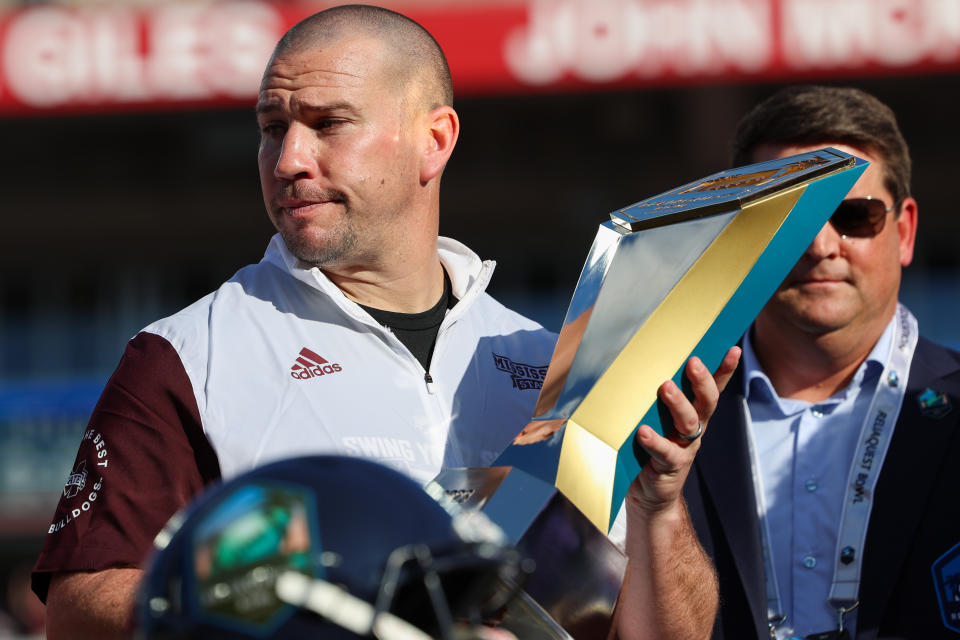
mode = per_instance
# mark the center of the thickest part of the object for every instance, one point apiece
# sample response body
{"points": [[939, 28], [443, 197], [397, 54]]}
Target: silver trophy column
{"points": [[670, 277]]}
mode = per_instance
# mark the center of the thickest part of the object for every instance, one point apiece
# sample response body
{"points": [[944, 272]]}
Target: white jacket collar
{"points": [[469, 275]]}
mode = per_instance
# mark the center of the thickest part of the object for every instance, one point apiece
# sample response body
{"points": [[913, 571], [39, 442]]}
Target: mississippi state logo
{"points": [[310, 365], [523, 376], [946, 580], [76, 481]]}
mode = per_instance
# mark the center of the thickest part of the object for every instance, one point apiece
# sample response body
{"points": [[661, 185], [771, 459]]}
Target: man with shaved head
{"points": [[361, 332]]}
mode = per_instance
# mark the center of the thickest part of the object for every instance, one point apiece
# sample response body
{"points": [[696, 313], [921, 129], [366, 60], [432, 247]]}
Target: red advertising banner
{"points": [[56, 58]]}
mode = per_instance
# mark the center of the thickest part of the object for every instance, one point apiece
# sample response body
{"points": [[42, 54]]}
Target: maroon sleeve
{"points": [[143, 456]]}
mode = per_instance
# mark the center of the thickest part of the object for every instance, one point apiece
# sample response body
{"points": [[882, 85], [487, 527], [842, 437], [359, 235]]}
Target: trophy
{"points": [[678, 275]]}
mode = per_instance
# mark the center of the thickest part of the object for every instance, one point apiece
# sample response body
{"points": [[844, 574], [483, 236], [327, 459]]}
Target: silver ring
{"points": [[694, 436]]}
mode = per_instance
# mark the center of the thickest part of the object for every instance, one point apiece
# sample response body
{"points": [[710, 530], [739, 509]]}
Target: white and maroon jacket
{"points": [[275, 363]]}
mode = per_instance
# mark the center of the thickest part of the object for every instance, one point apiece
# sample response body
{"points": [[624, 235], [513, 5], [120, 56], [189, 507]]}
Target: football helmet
{"points": [[324, 547]]}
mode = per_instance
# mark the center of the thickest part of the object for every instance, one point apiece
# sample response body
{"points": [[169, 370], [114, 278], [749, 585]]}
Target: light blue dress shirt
{"points": [[803, 454]]}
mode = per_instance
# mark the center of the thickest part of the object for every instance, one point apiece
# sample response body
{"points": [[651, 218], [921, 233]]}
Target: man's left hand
{"points": [[671, 588], [660, 484]]}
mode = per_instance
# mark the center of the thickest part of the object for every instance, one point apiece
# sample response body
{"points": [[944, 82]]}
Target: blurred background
{"points": [[130, 186]]}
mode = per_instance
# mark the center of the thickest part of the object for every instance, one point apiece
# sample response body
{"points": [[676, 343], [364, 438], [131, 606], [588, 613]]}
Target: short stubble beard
{"points": [[298, 239], [322, 256]]}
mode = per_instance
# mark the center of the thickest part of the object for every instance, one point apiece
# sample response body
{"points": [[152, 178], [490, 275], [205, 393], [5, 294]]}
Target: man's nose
{"points": [[826, 244], [296, 159]]}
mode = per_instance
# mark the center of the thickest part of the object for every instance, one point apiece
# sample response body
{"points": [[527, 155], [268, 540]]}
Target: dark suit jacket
{"points": [[915, 518]]}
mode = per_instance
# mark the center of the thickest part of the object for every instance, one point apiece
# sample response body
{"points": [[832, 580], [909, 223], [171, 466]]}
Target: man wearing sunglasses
{"points": [[824, 494]]}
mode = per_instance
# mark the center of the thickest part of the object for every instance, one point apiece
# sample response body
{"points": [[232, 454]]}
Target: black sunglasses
{"points": [[861, 217]]}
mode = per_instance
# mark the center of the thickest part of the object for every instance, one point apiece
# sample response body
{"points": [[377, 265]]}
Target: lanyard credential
{"points": [[875, 436], [874, 440]]}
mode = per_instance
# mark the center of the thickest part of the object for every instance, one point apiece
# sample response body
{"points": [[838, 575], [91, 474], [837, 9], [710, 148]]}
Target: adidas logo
{"points": [[310, 365]]}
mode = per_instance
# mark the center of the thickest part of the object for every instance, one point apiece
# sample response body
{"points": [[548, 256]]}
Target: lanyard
{"points": [[873, 442], [774, 616]]}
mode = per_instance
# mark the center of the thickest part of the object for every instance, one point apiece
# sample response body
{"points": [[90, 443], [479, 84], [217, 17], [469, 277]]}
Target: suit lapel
{"points": [[908, 476]]}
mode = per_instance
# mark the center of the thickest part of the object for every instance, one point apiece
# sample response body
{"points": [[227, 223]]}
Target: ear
{"points": [[907, 230], [442, 129]]}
